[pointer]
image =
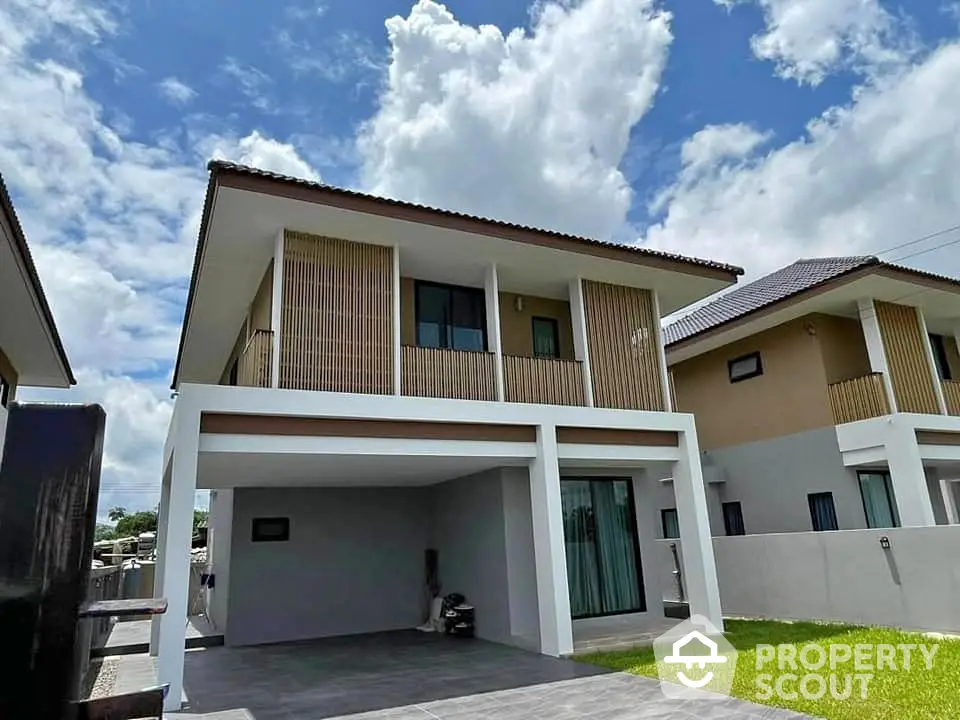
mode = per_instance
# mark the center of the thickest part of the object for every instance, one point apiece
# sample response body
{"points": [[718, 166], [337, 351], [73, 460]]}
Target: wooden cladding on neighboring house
{"points": [[337, 315], [443, 373], [624, 353], [547, 381], [904, 345], [860, 398]]}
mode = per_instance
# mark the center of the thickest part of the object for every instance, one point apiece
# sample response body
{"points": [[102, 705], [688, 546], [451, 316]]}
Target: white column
{"points": [[397, 359], [163, 517], [699, 565], [949, 500], [553, 598], [491, 285], [661, 353], [175, 557], [276, 308], [931, 364], [875, 351], [219, 547], [578, 317], [907, 476]]}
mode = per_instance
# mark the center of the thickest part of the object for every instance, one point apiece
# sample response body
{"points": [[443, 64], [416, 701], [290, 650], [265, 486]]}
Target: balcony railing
{"points": [[859, 398], [951, 393], [453, 374], [253, 368], [546, 381]]}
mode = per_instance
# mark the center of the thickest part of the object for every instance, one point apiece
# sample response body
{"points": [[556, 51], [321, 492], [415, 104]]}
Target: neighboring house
{"points": [[31, 353], [826, 396], [360, 380]]}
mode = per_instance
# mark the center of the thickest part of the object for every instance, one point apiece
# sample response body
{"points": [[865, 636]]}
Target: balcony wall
{"points": [[453, 374], [905, 345], [256, 360], [859, 398], [547, 381], [951, 393], [337, 315]]}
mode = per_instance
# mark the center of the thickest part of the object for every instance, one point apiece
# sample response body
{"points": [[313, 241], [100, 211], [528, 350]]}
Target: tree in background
{"points": [[116, 513], [131, 525]]}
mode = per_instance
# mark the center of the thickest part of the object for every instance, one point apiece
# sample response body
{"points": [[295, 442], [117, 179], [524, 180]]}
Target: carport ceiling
{"points": [[226, 470]]}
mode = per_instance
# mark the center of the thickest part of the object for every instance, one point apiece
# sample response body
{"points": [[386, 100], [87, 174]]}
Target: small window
{"points": [[939, 346], [745, 367], [670, 523], [878, 500], [546, 338], [733, 519], [275, 529], [823, 514]]}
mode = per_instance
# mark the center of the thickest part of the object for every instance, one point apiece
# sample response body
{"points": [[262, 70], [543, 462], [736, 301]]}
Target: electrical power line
{"points": [[932, 235], [927, 250]]}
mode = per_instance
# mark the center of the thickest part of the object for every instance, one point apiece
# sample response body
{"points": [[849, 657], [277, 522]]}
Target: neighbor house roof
{"points": [[264, 181], [802, 276], [20, 247]]}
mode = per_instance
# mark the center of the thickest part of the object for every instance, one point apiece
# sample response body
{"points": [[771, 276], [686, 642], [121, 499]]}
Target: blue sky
{"points": [[750, 131]]}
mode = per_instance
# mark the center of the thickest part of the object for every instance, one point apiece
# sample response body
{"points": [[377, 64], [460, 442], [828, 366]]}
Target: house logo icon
{"points": [[695, 661]]}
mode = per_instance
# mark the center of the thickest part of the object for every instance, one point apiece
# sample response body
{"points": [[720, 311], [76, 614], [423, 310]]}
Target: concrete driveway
{"points": [[416, 676]]}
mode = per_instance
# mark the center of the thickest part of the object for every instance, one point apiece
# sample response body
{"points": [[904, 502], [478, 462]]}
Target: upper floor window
{"points": [[745, 367], [451, 317], [546, 338], [938, 343]]}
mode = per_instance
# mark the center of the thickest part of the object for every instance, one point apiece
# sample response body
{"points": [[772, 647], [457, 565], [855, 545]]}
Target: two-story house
{"points": [[826, 396], [31, 353], [388, 400]]}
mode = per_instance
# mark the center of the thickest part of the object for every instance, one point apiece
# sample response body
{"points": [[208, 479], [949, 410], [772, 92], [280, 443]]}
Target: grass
{"points": [[891, 695]]}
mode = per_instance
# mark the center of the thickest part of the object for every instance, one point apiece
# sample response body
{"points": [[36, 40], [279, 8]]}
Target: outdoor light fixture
{"points": [[518, 303], [884, 542]]}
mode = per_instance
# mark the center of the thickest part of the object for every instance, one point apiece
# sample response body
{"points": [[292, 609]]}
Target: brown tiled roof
{"points": [[224, 166], [803, 275], [20, 244]]}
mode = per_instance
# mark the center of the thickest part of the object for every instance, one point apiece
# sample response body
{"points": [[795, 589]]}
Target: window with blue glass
{"points": [[823, 513], [879, 506], [449, 316]]}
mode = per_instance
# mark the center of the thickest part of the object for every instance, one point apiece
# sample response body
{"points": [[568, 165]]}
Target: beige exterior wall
{"points": [[262, 302], [516, 327], [408, 318], [790, 396], [842, 346]]}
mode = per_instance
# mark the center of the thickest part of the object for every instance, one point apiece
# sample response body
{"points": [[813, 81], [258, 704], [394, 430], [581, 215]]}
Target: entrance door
{"points": [[603, 553]]}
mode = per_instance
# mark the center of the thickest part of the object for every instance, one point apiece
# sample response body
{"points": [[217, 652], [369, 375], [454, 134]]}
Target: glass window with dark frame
{"points": [[546, 337], [823, 513], [733, 518], [879, 506], [670, 523], [745, 367], [938, 344], [450, 317]]}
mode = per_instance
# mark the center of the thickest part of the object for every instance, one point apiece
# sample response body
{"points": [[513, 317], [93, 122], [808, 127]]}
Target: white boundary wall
{"points": [[843, 576]]}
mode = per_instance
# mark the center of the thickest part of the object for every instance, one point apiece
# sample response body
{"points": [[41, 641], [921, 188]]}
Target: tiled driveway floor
{"points": [[418, 676]]}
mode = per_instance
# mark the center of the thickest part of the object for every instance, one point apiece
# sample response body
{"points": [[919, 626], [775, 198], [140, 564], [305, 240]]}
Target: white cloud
{"points": [[112, 225], [262, 152], [716, 143], [252, 82], [809, 39], [527, 127], [176, 91], [865, 177]]}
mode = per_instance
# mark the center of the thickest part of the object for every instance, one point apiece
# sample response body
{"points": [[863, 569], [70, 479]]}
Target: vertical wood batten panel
{"points": [[624, 363], [906, 357], [337, 315], [951, 394], [453, 374]]}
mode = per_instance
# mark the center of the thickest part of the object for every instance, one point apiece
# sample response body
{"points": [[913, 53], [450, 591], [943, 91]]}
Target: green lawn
{"points": [[891, 694]]}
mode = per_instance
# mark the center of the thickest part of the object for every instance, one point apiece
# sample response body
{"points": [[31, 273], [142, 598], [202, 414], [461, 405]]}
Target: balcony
{"points": [[452, 374], [254, 362], [859, 398], [951, 393], [548, 381]]}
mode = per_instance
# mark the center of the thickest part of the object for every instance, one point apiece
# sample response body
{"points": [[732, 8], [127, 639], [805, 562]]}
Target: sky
{"points": [[748, 131]]}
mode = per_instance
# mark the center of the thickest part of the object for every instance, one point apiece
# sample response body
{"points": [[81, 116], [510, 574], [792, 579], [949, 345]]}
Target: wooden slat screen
{"points": [[860, 398], [903, 343], [624, 357], [254, 363], [337, 315], [547, 381], [454, 374], [951, 393]]}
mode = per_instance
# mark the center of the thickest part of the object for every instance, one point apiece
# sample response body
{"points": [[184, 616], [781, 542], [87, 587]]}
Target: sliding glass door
{"points": [[603, 555]]}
